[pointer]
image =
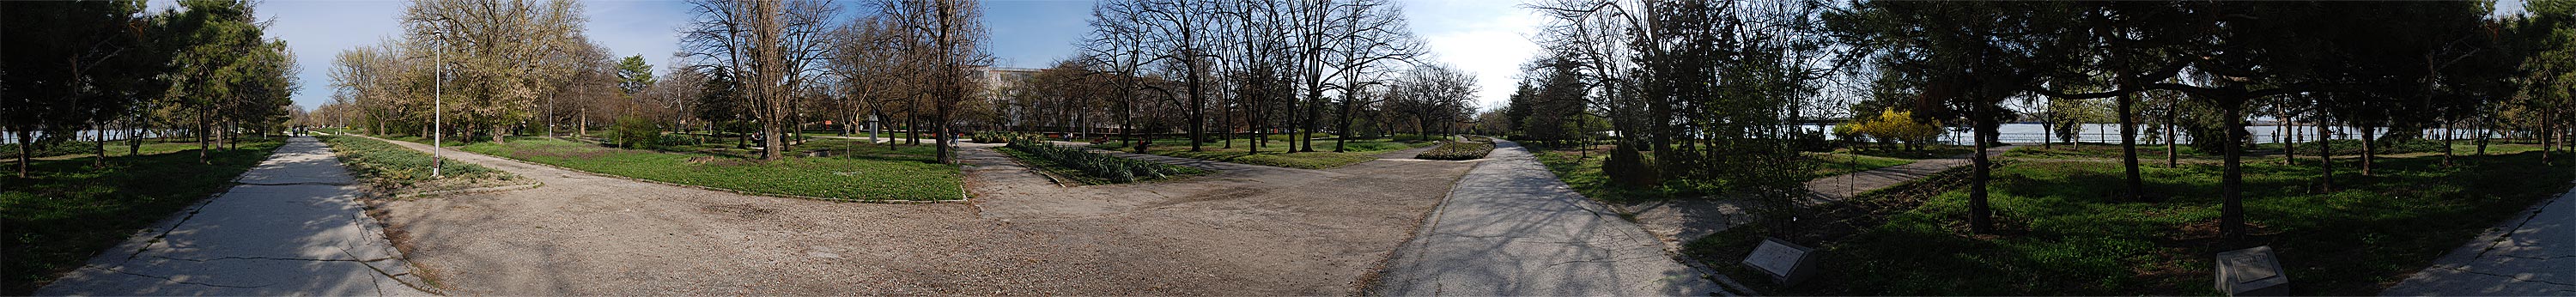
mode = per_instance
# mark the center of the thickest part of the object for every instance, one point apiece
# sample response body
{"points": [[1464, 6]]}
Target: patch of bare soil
{"points": [[1247, 230]]}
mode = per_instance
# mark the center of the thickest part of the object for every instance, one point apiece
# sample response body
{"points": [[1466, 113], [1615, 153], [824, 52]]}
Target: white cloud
{"points": [[1487, 38]]}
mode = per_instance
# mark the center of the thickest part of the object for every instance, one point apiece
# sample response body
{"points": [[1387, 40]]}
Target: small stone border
{"points": [[531, 185], [961, 185]]}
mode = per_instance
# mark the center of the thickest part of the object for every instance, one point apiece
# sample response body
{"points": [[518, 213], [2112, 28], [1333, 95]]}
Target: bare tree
{"points": [[773, 46], [946, 40]]}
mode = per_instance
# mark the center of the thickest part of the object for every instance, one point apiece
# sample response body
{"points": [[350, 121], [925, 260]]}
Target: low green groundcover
{"points": [[844, 176]]}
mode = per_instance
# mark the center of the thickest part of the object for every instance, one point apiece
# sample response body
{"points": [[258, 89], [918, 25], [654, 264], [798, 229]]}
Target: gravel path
{"points": [[291, 227], [1512, 229], [1247, 230], [2533, 256]]}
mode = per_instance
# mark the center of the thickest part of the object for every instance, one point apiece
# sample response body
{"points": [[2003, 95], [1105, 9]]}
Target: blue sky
{"points": [[1488, 38], [1484, 37]]}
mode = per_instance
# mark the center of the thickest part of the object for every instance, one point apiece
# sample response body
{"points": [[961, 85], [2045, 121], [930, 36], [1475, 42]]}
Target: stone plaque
{"points": [[2251, 272], [1785, 262]]}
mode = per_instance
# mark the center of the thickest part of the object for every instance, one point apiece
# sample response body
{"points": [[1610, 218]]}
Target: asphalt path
{"points": [[1510, 228], [291, 227], [2534, 255]]}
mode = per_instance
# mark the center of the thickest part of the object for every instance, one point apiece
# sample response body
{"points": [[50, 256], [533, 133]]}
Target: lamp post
{"points": [[438, 103]]}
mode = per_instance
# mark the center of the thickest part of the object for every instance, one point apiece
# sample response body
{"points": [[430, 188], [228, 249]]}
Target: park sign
{"points": [[2251, 272], [1786, 263]]}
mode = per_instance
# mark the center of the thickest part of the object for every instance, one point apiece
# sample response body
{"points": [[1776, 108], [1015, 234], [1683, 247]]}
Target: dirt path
{"points": [[1243, 231]]}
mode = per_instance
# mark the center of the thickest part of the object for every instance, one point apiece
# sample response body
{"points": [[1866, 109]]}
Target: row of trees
{"points": [[2366, 64], [1260, 66], [515, 67], [1711, 89], [102, 68], [1703, 85]]}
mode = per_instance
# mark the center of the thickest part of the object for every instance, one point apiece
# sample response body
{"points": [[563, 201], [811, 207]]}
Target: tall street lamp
{"points": [[438, 103]]}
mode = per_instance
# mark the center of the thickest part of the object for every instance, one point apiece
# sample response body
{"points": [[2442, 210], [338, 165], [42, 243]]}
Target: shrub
{"points": [[1001, 137], [1412, 138], [634, 132], [1457, 150], [1108, 168]]}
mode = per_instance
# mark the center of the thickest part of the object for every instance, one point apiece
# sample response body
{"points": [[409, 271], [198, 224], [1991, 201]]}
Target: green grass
{"points": [[402, 170], [66, 210], [1580, 168], [2096, 150], [2062, 234], [1271, 155], [853, 172], [1832, 164], [84, 149]]}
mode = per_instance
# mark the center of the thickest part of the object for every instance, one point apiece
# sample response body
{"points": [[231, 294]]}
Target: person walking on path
{"points": [[1510, 228], [290, 227], [2534, 255]]}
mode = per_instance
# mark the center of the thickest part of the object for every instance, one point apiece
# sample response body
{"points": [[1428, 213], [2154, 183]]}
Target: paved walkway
{"points": [[2531, 256], [1510, 228], [290, 228]]}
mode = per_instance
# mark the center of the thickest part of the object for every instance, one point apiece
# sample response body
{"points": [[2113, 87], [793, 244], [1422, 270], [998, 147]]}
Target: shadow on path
{"points": [[1511, 228], [292, 227]]}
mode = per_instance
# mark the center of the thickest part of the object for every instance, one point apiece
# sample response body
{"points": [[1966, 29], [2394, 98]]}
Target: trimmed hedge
{"points": [[1000, 137], [1457, 150], [1096, 166]]}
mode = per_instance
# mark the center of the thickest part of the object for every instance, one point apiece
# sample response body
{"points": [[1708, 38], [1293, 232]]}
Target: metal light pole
{"points": [[438, 103]]}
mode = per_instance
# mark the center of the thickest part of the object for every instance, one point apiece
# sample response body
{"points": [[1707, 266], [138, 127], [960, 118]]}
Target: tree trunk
{"points": [[2482, 137], [2231, 217], [1980, 214], [101, 127], [2449, 131], [2369, 147], [2129, 148], [2325, 156], [24, 149], [1343, 126], [2171, 154], [204, 126]]}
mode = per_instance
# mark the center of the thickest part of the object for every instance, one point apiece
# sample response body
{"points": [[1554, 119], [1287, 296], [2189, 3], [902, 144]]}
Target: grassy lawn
{"points": [[394, 169], [1580, 168], [852, 172], [2062, 235], [2146, 153], [1357, 151], [66, 210]]}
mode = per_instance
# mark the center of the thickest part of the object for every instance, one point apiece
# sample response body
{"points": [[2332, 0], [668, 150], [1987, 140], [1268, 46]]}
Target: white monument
{"points": [[1787, 263], [2251, 272]]}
